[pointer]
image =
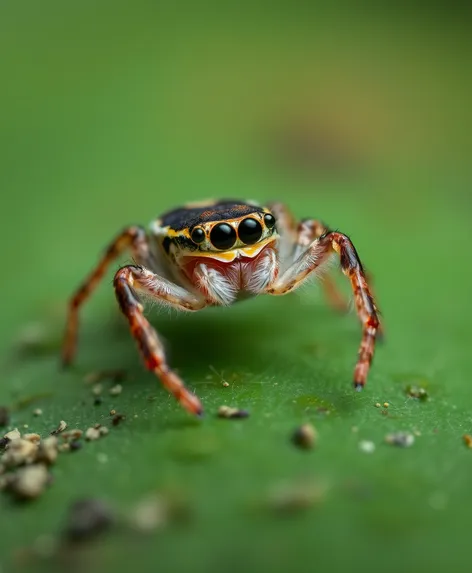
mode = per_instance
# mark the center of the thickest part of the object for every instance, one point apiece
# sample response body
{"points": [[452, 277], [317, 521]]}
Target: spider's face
{"points": [[222, 230]]}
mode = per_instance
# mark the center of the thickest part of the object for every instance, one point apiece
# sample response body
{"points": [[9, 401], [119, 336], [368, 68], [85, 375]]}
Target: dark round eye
{"points": [[198, 235], [223, 236], [249, 231], [269, 220]]}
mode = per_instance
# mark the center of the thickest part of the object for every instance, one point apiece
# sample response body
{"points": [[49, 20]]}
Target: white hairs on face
{"points": [[215, 284], [259, 275]]}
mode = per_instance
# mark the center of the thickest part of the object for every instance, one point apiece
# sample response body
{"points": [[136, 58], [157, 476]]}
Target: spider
{"points": [[216, 253]]}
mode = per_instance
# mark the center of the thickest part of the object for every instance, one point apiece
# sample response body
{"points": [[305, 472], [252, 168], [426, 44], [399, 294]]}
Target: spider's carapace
{"points": [[216, 253]]}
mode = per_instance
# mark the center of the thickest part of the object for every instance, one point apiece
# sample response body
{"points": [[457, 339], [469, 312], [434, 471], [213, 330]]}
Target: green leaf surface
{"points": [[115, 114]]}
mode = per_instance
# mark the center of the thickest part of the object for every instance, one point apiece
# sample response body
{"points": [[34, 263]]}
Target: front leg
{"points": [[312, 260], [131, 278]]}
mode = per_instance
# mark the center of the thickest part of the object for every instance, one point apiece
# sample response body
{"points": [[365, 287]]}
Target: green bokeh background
{"points": [[111, 113]]}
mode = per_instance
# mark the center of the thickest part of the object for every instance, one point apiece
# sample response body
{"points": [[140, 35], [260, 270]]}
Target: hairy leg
{"points": [[297, 237], [310, 261], [133, 238], [127, 281]]}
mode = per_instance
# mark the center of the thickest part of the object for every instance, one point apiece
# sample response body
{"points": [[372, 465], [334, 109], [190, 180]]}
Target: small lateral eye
{"points": [[198, 235], [249, 231], [223, 236], [269, 220]]}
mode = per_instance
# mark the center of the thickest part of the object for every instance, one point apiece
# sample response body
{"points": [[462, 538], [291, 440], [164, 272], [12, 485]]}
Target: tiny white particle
{"points": [[367, 446]]}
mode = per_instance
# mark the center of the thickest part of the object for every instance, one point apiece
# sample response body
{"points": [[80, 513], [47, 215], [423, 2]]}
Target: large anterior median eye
{"points": [[249, 231], [223, 236]]}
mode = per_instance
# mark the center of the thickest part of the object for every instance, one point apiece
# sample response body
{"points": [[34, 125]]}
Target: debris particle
{"points": [[47, 450], [35, 438], [117, 419], [72, 434], [86, 519], [386, 404], [225, 384], [75, 445], [367, 446], [401, 439], [60, 428], [112, 412], [293, 498], [4, 416], [98, 401], [149, 514], [29, 482], [13, 435], [116, 390], [103, 430], [3, 443], [305, 437], [417, 392], [355, 429], [97, 389], [378, 405], [92, 434], [18, 453], [37, 412], [467, 440], [227, 412], [64, 447]]}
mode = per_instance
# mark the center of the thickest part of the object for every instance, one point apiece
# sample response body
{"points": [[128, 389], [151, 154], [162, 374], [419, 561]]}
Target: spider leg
{"points": [[308, 230], [297, 237], [133, 238], [127, 281], [311, 260]]}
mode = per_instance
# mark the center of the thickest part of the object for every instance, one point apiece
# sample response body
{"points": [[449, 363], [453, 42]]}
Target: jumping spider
{"points": [[217, 253]]}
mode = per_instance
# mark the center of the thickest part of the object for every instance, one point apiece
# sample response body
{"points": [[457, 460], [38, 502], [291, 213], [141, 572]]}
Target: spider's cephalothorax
{"points": [[216, 253]]}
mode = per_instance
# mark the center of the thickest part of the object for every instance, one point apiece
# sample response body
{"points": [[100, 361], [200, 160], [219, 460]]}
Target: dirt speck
{"points": [[29, 482], [116, 390], [231, 413], [305, 437], [467, 440], [367, 446], [60, 428], [87, 519], [401, 439], [92, 434]]}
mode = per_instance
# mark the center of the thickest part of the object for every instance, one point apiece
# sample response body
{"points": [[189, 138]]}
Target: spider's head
{"points": [[220, 230]]}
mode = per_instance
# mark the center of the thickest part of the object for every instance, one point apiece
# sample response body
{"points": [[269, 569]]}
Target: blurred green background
{"points": [[113, 112]]}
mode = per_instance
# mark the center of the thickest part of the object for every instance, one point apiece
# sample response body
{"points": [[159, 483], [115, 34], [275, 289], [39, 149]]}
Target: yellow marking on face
{"points": [[232, 254]]}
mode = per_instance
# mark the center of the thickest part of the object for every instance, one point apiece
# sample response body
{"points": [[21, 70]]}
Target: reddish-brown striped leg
{"points": [[127, 281], [314, 257], [307, 231], [133, 238]]}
